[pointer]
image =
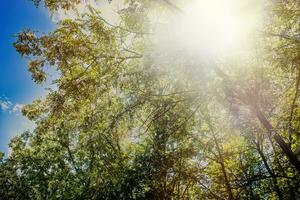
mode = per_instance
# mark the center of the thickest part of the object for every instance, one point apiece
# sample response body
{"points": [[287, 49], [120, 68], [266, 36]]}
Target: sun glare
{"points": [[215, 26]]}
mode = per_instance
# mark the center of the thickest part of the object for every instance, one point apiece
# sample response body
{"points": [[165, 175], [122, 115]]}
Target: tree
{"points": [[127, 122]]}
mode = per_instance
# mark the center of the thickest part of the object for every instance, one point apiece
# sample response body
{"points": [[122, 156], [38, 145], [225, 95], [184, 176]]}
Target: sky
{"points": [[16, 86]]}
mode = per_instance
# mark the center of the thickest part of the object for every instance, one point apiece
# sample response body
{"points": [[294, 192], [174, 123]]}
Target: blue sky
{"points": [[16, 86]]}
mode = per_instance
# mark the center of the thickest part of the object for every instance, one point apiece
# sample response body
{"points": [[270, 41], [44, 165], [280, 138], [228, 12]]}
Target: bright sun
{"points": [[216, 26]]}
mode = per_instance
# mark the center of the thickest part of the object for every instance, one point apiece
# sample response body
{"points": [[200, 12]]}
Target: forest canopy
{"points": [[161, 99]]}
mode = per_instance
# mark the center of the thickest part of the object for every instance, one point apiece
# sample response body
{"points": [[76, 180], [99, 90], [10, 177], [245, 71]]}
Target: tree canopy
{"points": [[128, 121]]}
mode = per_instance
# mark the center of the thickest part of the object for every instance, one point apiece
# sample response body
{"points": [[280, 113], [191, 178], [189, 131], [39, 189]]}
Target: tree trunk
{"points": [[279, 140], [273, 176], [221, 161], [263, 120]]}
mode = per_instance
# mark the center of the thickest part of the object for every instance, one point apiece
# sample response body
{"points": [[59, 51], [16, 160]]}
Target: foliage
{"points": [[126, 123]]}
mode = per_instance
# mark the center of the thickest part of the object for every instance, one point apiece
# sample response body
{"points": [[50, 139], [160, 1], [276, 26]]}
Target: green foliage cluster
{"points": [[126, 123]]}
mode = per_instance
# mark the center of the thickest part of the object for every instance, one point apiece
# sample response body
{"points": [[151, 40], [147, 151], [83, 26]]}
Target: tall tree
{"points": [[126, 121]]}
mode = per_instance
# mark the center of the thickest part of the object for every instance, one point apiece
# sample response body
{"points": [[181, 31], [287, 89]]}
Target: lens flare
{"points": [[213, 27]]}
